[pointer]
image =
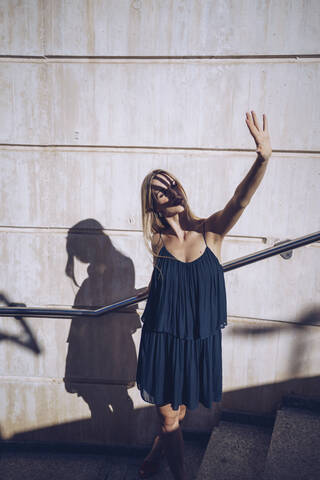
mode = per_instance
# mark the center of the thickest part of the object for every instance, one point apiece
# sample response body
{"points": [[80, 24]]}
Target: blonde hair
{"points": [[151, 222]]}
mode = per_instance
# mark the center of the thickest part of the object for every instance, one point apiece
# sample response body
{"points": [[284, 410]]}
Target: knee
{"points": [[169, 424], [169, 421]]}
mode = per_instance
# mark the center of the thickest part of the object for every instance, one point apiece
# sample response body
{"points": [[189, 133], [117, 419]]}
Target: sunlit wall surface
{"points": [[93, 96]]}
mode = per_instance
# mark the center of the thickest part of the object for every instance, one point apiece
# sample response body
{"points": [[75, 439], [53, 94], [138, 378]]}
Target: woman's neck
{"points": [[179, 226]]}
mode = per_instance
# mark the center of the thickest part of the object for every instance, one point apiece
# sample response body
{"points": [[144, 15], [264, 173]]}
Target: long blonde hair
{"points": [[151, 221]]}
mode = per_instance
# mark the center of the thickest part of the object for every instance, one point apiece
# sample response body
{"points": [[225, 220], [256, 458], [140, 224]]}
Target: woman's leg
{"points": [[157, 450], [172, 440]]}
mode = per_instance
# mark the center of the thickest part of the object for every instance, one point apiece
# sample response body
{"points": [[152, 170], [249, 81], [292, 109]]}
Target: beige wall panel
{"points": [[25, 103], [179, 104], [166, 28], [261, 362], [44, 411], [282, 207], [274, 288], [171, 27], [22, 27], [185, 104], [108, 267], [99, 350], [57, 189]]}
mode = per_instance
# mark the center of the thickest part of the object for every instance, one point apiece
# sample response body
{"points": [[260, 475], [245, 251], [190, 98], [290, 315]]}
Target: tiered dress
{"points": [[180, 355]]}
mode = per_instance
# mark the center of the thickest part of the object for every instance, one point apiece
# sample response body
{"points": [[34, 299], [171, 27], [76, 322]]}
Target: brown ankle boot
{"points": [[174, 449], [152, 462]]}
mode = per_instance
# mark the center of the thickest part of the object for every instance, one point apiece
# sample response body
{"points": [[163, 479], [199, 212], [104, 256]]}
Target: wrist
{"points": [[263, 158]]}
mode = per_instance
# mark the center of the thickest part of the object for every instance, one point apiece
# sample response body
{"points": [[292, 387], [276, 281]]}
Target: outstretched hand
{"points": [[261, 137]]}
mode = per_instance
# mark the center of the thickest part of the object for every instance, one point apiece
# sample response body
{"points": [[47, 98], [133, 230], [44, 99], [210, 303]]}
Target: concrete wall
{"points": [[93, 96]]}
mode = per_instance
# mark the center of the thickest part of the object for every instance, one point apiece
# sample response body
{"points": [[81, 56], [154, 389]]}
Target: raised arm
{"points": [[223, 220]]}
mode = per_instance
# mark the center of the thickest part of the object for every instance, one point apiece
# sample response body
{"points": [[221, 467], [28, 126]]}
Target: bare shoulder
{"points": [[213, 238], [207, 225]]}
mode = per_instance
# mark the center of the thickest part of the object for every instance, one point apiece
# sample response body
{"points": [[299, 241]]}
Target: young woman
{"points": [[179, 362]]}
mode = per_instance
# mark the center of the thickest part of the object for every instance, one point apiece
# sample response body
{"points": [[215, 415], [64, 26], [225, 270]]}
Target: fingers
{"points": [[249, 120], [255, 119], [265, 123], [250, 124], [253, 122]]}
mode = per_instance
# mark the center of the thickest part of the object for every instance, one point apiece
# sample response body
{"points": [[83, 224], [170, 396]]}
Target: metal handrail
{"points": [[237, 263]]}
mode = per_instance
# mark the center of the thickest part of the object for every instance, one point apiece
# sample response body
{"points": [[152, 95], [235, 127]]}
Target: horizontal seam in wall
{"points": [[13, 146], [283, 322], [291, 56], [82, 231], [61, 380]]}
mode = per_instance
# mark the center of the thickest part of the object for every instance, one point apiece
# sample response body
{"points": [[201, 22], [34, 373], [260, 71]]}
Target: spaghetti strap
{"points": [[204, 233]]}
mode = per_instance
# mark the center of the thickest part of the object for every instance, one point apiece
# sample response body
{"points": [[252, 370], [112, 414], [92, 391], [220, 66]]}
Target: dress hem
{"points": [[184, 402]]}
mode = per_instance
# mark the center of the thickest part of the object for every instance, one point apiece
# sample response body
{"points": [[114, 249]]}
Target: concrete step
{"points": [[23, 462], [235, 451], [294, 451]]}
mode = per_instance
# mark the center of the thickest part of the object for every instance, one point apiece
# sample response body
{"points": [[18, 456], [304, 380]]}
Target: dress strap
{"points": [[204, 233]]}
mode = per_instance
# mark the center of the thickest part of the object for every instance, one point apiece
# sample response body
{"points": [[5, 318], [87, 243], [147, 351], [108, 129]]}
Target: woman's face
{"points": [[168, 197]]}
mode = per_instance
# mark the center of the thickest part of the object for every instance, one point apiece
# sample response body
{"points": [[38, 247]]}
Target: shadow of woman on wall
{"points": [[101, 358]]}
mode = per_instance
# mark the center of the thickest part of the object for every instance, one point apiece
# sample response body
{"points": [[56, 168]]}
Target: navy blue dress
{"points": [[180, 357]]}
